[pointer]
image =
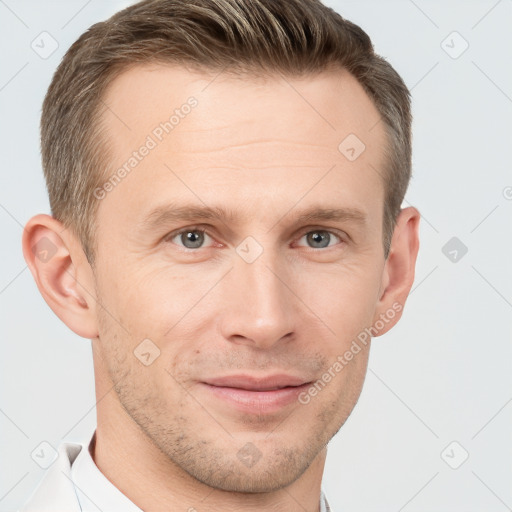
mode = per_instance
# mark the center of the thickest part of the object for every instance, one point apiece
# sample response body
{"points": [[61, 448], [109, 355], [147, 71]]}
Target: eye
{"points": [[190, 238], [321, 238], [195, 238]]}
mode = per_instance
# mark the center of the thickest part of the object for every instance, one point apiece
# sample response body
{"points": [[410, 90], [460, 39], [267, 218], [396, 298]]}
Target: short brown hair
{"points": [[294, 37]]}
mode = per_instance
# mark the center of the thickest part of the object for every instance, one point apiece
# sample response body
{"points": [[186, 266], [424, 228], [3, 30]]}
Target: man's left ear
{"points": [[398, 274], [62, 273]]}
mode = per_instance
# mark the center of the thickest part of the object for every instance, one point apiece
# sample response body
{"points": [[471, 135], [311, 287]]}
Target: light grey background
{"points": [[443, 374]]}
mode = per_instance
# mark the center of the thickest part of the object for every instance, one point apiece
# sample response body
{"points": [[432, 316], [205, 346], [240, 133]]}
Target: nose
{"points": [[259, 309]]}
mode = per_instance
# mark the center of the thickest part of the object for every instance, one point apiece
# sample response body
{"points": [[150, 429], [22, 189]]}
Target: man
{"points": [[225, 180]]}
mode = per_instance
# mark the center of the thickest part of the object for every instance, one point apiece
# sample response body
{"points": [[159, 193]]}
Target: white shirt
{"points": [[73, 483]]}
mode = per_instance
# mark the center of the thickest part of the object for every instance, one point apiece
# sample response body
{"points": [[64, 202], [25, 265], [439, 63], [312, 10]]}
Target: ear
{"points": [[62, 273], [398, 273]]}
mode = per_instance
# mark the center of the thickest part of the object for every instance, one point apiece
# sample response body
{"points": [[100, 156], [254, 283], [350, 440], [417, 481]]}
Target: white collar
{"points": [[93, 489]]}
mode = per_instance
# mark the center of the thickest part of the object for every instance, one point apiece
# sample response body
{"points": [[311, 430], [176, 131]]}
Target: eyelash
{"points": [[202, 229]]}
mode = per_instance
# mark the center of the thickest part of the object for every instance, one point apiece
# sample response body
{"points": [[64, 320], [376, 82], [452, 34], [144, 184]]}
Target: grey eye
{"points": [[318, 239], [191, 238], [321, 238]]}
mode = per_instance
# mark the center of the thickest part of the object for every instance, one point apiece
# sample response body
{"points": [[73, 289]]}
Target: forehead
{"points": [[320, 106], [264, 137]]}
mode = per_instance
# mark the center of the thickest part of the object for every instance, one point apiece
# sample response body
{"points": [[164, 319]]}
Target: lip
{"points": [[254, 383], [256, 395]]}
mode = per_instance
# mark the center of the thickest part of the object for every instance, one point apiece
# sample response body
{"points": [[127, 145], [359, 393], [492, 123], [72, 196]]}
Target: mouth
{"points": [[257, 383], [257, 395]]}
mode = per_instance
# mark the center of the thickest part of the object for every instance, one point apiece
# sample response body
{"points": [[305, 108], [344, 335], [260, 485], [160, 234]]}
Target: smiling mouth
{"points": [[255, 396], [257, 383]]}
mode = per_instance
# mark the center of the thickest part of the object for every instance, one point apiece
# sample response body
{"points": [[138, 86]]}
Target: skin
{"points": [[264, 148]]}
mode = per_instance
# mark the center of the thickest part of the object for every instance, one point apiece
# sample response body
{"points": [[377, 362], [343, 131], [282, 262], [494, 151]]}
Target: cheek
{"points": [[171, 309], [344, 298], [147, 302]]}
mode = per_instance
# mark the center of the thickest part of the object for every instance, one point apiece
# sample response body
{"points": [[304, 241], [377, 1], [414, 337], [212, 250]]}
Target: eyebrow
{"points": [[168, 214]]}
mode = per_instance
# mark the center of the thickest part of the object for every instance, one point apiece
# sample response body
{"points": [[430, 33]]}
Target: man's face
{"points": [[261, 291]]}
